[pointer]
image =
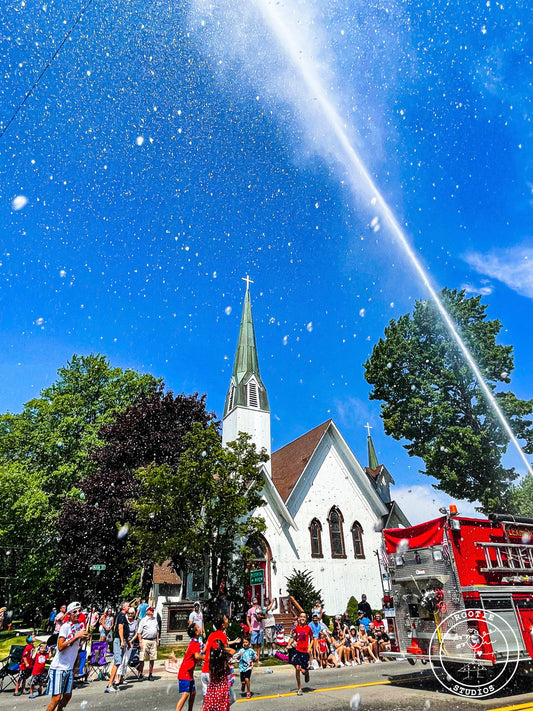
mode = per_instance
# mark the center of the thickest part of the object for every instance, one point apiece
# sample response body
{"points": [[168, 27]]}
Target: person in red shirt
{"points": [[220, 624], [193, 654], [302, 637], [25, 666], [38, 674], [378, 622]]}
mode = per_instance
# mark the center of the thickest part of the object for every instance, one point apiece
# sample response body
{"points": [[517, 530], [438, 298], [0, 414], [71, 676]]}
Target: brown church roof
{"points": [[289, 462], [166, 574]]}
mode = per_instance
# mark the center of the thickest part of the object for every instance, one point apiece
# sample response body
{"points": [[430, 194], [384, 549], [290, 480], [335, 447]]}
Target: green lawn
{"points": [[5, 645]]}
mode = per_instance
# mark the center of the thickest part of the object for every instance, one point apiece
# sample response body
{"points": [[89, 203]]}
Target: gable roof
{"points": [[289, 462]]}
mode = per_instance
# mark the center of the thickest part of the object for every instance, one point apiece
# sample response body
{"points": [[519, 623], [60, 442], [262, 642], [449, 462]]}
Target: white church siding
{"points": [[303, 481], [329, 480]]}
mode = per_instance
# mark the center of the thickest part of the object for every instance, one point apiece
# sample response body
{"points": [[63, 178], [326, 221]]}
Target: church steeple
{"points": [[376, 472], [246, 408], [372, 456]]}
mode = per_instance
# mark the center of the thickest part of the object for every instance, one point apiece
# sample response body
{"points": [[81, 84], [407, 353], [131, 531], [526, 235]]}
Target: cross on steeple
{"points": [[248, 281], [368, 427]]}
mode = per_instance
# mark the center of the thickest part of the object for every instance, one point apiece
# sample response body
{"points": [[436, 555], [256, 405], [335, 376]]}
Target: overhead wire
{"points": [[36, 82]]}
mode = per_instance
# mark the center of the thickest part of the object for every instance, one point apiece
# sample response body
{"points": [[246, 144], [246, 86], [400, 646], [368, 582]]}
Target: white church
{"points": [[324, 511]]}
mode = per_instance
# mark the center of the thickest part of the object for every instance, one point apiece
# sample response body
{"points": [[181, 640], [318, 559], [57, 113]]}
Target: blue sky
{"points": [[172, 148]]}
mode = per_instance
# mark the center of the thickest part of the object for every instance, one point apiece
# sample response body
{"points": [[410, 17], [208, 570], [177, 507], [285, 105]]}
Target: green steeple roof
{"points": [[372, 456], [246, 366]]}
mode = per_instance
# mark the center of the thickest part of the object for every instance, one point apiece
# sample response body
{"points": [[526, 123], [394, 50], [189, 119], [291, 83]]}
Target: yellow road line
{"points": [[317, 691], [515, 707]]}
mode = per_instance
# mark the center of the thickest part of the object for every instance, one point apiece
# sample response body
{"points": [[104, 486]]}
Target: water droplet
{"points": [[310, 326], [427, 705], [62, 273], [39, 321], [139, 140], [123, 531], [19, 202], [362, 313], [83, 704], [403, 545], [227, 310], [526, 538], [355, 702]]}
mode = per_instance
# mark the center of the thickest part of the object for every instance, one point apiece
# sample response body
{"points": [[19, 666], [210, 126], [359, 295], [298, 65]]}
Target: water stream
{"points": [[362, 183]]}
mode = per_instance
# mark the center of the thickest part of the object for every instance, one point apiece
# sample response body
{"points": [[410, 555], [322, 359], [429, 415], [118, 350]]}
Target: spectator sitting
{"points": [[363, 620]]}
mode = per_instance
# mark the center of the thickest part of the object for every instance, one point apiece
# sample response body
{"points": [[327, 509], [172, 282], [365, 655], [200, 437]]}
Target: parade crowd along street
{"points": [[78, 647]]}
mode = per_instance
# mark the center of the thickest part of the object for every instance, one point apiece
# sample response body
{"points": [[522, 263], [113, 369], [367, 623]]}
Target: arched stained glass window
{"points": [[336, 535], [315, 531], [357, 536]]}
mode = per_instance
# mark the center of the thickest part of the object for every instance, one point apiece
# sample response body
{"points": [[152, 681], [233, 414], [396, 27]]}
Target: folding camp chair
{"points": [[98, 663], [9, 667]]}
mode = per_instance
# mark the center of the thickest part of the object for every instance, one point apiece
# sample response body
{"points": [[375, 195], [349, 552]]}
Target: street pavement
{"points": [[393, 686]]}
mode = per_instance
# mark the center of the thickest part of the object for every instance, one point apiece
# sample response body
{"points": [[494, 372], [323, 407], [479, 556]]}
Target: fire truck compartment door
{"points": [[506, 637], [524, 610]]}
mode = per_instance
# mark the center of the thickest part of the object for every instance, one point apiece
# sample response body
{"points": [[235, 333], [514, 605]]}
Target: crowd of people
{"points": [[310, 645]]}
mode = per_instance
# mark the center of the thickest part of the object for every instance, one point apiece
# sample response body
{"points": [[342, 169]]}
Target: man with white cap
{"points": [[60, 676]]}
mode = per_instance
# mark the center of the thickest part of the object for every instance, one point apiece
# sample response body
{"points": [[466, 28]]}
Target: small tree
{"points": [[200, 517], [300, 586], [353, 608]]}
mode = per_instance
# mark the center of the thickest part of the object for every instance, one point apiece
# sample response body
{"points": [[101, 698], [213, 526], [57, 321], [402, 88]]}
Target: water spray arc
{"points": [[351, 160]]}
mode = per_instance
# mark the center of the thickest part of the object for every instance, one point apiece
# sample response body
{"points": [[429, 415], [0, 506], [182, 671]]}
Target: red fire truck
{"points": [[462, 590]]}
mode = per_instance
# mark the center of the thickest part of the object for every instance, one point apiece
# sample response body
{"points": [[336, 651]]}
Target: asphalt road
{"points": [[393, 686]]}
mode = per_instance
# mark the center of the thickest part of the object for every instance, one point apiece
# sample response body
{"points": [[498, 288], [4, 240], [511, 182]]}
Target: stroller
{"points": [[133, 663]]}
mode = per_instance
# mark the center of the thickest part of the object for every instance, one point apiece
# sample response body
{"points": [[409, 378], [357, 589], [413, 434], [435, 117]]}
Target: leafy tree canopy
{"points": [[432, 399], [149, 433], [201, 518], [521, 497], [44, 454]]}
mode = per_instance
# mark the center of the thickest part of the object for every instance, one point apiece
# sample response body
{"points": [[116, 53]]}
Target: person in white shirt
{"points": [[148, 636], [60, 676], [196, 617]]}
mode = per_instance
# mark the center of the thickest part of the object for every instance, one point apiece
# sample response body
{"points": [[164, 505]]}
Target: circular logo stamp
{"points": [[474, 653]]}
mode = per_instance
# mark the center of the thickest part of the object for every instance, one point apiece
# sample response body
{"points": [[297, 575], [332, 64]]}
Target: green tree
{"points": [[353, 608], [43, 456], [521, 497], [433, 400], [201, 516], [301, 586], [150, 431]]}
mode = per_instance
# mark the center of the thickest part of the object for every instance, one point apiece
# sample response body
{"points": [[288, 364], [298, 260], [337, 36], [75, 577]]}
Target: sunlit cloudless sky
{"points": [[172, 148]]}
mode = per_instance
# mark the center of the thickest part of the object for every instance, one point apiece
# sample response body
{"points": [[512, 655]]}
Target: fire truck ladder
{"points": [[507, 557]]}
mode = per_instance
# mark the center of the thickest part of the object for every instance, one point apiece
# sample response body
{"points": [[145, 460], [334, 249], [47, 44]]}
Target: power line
{"points": [[36, 82]]}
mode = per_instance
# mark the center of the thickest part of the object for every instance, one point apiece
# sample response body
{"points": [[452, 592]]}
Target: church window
{"points": [[357, 536], [253, 398], [315, 531], [335, 533]]}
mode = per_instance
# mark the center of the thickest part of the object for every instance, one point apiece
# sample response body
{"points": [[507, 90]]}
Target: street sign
{"points": [[257, 577], [98, 566]]}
